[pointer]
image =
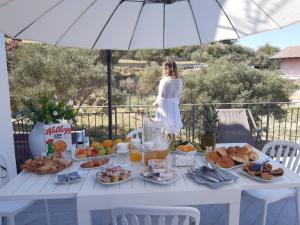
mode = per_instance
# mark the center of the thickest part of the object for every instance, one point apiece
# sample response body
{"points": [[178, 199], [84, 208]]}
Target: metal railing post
{"points": [[268, 121], [116, 122], [193, 119]]}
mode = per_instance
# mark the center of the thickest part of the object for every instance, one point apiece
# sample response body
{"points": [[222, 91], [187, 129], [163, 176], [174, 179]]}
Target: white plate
{"points": [[119, 182], [92, 168], [160, 182], [275, 178], [68, 182]]}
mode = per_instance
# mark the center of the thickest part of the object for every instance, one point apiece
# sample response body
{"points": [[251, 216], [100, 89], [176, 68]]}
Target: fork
{"points": [[215, 172], [198, 172]]}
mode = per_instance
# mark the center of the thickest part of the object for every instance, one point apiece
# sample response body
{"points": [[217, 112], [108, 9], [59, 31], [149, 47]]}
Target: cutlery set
{"points": [[208, 174]]}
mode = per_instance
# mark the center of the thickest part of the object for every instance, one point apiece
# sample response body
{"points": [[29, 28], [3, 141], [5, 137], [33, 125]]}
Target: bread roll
{"points": [[225, 162], [222, 151], [231, 150], [212, 157], [243, 150], [253, 156], [240, 158]]}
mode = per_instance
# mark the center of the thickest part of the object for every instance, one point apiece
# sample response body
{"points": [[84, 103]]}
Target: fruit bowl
{"points": [[187, 149]]}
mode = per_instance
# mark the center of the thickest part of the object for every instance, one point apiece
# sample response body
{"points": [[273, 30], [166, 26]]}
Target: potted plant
{"points": [[45, 110]]}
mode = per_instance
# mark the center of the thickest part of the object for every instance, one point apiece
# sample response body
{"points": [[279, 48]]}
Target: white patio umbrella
{"points": [[138, 24]]}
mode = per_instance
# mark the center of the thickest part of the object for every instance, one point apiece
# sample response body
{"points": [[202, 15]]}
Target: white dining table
{"points": [[91, 195]]}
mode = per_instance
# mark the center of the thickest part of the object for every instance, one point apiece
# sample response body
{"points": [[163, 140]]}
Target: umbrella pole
{"points": [[108, 63]]}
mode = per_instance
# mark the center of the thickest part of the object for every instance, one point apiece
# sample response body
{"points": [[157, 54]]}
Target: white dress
{"points": [[169, 92]]}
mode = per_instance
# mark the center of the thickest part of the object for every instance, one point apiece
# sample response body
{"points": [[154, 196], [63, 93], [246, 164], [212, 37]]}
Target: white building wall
{"points": [[291, 68], [6, 132]]}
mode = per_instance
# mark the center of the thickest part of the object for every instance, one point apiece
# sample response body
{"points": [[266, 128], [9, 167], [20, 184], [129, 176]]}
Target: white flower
{"points": [[70, 102], [55, 113]]}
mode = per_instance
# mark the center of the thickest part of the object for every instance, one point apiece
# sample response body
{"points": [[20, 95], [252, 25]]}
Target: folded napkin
{"points": [[183, 160], [214, 185]]}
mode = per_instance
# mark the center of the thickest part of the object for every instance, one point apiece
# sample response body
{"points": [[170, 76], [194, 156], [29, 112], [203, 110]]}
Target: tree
{"points": [[224, 82], [232, 52], [116, 55], [67, 72], [148, 82], [151, 55], [262, 58]]}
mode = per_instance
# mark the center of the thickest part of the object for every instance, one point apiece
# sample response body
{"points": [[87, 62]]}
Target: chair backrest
{"points": [[158, 215], [234, 127], [284, 152], [138, 133], [3, 171]]}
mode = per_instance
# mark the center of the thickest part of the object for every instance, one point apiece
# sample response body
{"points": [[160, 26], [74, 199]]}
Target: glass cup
{"points": [[135, 155], [135, 150]]}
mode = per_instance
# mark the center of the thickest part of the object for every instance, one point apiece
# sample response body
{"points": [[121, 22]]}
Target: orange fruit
{"points": [[127, 139], [107, 143]]}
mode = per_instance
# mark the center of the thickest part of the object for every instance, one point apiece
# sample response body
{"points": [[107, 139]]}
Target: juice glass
{"points": [[135, 155]]}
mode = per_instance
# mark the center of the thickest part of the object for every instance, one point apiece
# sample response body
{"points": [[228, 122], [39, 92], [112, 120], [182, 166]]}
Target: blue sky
{"points": [[288, 36]]}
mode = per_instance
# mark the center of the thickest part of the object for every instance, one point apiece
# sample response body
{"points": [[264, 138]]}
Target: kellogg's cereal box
{"points": [[58, 138]]}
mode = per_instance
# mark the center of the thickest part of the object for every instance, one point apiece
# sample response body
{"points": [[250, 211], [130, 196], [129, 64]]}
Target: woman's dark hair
{"points": [[171, 64]]}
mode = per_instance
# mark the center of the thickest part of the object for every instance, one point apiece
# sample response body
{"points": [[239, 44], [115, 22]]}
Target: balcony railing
{"points": [[276, 120]]}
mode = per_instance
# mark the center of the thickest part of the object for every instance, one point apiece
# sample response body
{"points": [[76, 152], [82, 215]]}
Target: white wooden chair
{"points": [[138, 133], [288, 154], [152, 215], [10, 209]]}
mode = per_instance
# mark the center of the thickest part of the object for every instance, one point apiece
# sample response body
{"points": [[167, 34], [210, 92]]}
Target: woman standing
{"points": [[169, 91]]}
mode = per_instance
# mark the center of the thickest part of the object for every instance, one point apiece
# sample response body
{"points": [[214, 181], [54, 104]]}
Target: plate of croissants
{"points": [[265, 173], [231, 157]]}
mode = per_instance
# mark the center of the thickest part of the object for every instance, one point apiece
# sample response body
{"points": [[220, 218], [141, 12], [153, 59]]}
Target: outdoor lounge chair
{"points": [[233, 127]]}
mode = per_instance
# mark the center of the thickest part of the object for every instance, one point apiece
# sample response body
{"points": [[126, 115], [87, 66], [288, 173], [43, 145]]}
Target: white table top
{"points": [[32, 186]]}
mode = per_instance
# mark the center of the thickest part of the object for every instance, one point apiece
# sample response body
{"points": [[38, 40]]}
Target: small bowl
{"points": [[191, 153]]}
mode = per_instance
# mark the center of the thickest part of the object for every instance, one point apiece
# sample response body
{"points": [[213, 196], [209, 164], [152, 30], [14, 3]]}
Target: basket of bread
{"points": [[263, 172], [43, 165], [232, 156]]}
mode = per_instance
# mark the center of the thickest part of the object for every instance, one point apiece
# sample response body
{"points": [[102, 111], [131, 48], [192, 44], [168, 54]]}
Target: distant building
{"points": [[290, 62]]}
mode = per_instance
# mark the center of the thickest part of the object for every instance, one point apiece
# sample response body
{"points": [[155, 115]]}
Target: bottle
{"points": [[147, 129]]}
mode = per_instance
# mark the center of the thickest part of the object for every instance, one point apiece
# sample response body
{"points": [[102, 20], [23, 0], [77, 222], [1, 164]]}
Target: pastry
{"points": [[225, 162], [277, 172], [243, 150], [94, 163], [266, 176], [46, 165], [253, 156], [231, 150], [222, 152], [240, 158], [212, 157], [81, 153], [249, 147]]}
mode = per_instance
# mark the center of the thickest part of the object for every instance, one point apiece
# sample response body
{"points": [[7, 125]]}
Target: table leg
{"points": [[84, 217], [234, 213], [297, 204]]}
